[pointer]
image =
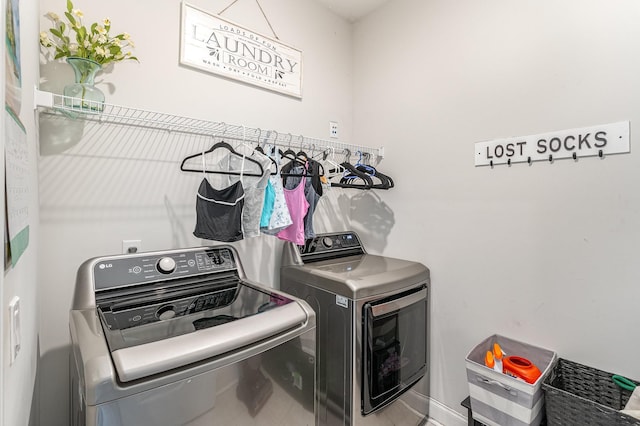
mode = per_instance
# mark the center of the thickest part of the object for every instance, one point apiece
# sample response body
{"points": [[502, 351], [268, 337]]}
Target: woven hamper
{"points": [[578, 395]]}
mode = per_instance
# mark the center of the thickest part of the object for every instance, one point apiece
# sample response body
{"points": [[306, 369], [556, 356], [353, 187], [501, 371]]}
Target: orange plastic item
{"points": [[497, 351], [488, 360], [522, 368]]}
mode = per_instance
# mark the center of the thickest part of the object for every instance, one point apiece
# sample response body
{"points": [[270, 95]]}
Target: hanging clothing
{"points": [[254, 188], [312, 190], [219, 212], [280, 217], [267, 207], [298, 207]]}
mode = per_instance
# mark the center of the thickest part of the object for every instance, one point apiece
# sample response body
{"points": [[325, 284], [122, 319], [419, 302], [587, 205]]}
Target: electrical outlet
{"points": [[131, 246], [333, 129]]}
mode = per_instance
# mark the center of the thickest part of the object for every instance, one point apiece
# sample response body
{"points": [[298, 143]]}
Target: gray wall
{"points": [[547, 253], [101, 184]]}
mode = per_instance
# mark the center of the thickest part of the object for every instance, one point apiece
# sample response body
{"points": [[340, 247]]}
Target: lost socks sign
{"points": [[591, 141]]}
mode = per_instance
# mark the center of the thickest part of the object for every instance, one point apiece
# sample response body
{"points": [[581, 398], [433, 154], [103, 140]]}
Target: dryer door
{"points": [[395, 347]]}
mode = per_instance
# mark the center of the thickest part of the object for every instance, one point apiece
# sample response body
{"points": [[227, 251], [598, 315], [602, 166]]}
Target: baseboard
{"points": [[445, 415]]}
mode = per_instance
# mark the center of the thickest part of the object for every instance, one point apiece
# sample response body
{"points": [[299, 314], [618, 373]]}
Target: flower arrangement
{"points": [[73, 39]]}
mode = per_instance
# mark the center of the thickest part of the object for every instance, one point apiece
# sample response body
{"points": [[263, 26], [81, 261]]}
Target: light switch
{"points": [[14, 327]]}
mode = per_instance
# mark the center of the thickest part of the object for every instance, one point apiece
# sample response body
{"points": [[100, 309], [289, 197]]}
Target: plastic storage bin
{"points": [[578, 395], [501, 400]]}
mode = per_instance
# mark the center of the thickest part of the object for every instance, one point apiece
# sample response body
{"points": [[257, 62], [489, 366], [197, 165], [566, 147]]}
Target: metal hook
{"points": [[600, 153], [550, 158], [491, 163], [290, 139], [509, 162], [528, 160], [575, 156]]}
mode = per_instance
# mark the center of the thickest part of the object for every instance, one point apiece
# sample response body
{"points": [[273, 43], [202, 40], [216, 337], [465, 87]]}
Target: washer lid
{"points": [[359, 276]]}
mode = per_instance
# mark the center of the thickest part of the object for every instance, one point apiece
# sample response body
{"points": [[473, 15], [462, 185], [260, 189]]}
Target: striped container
{"points": [[501, 400]]}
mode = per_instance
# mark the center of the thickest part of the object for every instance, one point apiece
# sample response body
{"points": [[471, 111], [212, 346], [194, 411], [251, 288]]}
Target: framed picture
{"points": [[215, 45]]}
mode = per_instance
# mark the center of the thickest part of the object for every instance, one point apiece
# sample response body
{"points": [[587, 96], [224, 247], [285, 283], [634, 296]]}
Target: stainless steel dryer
{"points": [[181, 337], [372, 339]]}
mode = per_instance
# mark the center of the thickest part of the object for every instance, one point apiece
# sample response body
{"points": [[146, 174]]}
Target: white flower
{"points": [[91, 41], [44, 39]]}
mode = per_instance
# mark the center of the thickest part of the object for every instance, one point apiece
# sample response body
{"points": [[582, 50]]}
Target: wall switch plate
{"points": [[14, 328], [131, 246], [333, 129]]}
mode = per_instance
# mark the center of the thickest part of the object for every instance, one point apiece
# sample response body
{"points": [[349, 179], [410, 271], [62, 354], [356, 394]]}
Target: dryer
{"points": [[182, 337], [372, 329]]}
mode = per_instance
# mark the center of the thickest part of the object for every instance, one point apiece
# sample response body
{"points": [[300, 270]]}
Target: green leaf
{"points": [[62, 27], [70, 18], [69, 6], [56, 33]]}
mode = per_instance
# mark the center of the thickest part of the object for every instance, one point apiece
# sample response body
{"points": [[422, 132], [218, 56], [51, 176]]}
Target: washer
{"points": [[181, 337], [372, 334]]}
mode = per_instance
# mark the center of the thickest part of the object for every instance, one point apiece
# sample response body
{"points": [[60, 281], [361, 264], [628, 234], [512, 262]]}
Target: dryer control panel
{"points": [[331, 246]]}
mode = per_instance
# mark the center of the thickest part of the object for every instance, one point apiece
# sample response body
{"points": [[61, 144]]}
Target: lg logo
{"points": [[105, 265]]}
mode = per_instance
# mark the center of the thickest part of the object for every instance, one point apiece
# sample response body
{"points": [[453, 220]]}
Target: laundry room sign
{"points": [[575, 143], [218, 46]]}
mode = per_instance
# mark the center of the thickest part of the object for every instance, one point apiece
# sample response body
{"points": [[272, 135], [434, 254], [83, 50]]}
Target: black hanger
{"points": [[350, 180], [261, 151], [220, 145], [385, 181]]}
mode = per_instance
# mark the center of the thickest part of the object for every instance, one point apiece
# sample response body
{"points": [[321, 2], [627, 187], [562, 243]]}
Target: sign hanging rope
{"points": [[261, 10]]}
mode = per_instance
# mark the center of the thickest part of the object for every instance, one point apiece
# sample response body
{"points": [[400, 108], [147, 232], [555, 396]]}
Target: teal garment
{"points": [[267, 207]]}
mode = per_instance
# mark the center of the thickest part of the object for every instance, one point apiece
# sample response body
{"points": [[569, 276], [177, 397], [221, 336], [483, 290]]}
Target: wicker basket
{"points": [[577, 395]]}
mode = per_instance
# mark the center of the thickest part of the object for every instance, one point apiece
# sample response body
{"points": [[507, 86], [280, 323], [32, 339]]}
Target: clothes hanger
{"points": [[261, 151], [217, 146], [295, 160], [289, 154], [334, 169], [385, 181], [352, 176]]}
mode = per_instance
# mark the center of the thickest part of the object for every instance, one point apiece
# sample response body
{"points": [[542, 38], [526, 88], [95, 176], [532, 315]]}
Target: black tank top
{"points": [[219, 212]]}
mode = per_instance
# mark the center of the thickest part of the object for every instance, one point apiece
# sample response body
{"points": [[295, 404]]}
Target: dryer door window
{"points": [[395, 347]]}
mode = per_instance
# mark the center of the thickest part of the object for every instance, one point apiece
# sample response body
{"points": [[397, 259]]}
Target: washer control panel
{"points": [[149, 267], [332, 244]]}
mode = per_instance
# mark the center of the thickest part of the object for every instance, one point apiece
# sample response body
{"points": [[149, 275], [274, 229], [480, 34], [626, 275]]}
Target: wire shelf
{"points": [[127, 116]]}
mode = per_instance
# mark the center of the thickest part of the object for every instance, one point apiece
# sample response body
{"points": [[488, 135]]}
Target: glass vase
{"points": [[83, 94]]}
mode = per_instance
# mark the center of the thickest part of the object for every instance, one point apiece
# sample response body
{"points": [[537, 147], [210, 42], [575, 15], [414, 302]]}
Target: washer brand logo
{"points": [[105, 265]]}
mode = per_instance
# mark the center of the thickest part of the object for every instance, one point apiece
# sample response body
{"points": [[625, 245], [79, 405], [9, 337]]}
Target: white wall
{"points": [[121, 183], [18, 399], [546, 253]]}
